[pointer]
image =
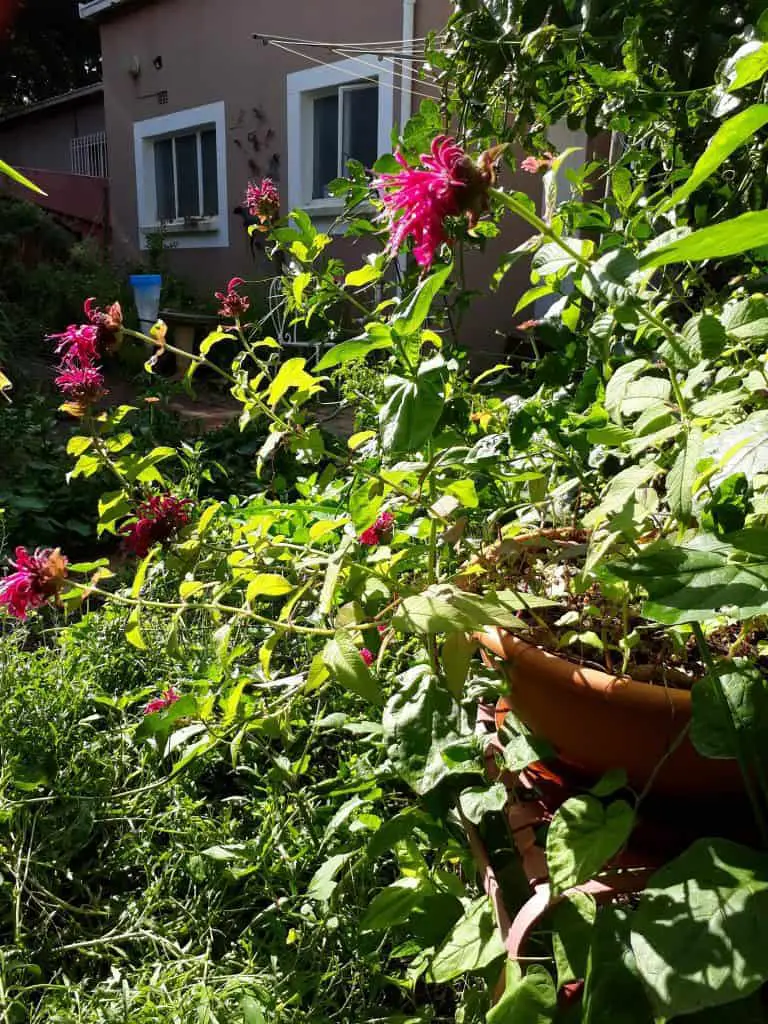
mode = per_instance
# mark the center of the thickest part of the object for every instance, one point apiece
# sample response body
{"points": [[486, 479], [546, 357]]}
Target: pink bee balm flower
{"points": [[233, 305], [384, 522], [370, 537], [77, 344], [162, 703], [263, 201], [373, 535], [381, 628], [537, 164], [38, 578], [82, 385], [158, 520], [367, 656], [418, 201]]}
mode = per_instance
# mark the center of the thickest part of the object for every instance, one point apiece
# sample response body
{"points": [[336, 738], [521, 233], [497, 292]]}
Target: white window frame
{"points": [[203, 232], [302, 89]]}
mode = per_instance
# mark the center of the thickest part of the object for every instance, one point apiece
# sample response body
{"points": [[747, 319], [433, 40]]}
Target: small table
{"points": [[185, 328]]}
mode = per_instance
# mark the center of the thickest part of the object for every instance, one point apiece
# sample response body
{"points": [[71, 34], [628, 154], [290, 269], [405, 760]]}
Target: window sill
{"points": [[198, 226]]}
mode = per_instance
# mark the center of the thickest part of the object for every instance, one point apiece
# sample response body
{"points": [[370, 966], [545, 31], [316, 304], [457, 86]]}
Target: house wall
{"points": [[42, 140], [208, 55]]}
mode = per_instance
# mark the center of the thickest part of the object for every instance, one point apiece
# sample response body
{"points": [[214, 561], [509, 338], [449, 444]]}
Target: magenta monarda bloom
{"points": [[374, 534], [82, 385], [163, 702], [263, 201], [158, 520], [79, 343], [418, 200], [38, 578], [233, 305], [367, 656]]}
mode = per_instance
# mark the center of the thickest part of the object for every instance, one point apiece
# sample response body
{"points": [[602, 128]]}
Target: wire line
{"points": [[349, 74]]}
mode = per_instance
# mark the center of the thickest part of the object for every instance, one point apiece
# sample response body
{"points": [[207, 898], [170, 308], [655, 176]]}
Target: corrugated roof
{"points": [[65, 98]]}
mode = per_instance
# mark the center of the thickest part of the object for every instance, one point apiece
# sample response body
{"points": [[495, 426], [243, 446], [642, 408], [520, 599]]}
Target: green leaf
{"points": [[267, 584], [472, 945], [416, 308], [572, 921], [702, 577], [521, 747], [78, 445], [14, 175], [444, 608], [420, 721], [343, 660], [323, 883], [532, 1000], [365, 275], [411, 413], [458, 651], [682, 475], [378, 337], [700, 931], [540, 291], [730, 238], [252, 1011], [583, 836], [291, 375], [133, 630], [702, 337], [550, 260], [481, 800], [607, 277], [731, 135], [395, 904], [749, 63], [730, 706], [613, 991], [213, 339], [740, 449]]}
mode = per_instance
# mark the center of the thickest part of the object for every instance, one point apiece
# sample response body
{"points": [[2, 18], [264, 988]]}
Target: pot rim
{"points": [[508, 647]]}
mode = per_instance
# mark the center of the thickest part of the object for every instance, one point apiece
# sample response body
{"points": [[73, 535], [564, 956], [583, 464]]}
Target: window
{"points": [[185, 176], [336, 113], [181, 176], [345, 128]]}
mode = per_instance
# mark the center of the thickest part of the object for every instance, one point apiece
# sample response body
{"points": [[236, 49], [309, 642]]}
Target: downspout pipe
{"points": [[406, 85], [406, 65]]}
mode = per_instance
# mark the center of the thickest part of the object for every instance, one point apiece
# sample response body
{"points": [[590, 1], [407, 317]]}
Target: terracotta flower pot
{"points": [[595, 721]]}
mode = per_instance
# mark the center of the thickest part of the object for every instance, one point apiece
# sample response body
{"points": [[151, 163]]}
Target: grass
{"points": [[130, 894]]}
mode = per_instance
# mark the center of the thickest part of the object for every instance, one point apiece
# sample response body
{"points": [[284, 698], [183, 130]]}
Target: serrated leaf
{"points": [[702, 577], [682, 476]]}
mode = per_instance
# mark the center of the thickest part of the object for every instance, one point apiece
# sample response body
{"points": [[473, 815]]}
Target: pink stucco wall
{"points": [[208, 55]]}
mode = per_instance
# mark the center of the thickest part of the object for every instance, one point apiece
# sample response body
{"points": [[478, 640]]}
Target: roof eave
{"points": [[92, 8]]}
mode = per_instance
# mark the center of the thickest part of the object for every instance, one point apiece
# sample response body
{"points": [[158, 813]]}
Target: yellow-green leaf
{"points": [[267, 584]]}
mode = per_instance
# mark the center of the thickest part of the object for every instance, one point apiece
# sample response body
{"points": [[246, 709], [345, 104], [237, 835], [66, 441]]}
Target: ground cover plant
{"points": [[250, 762]]}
